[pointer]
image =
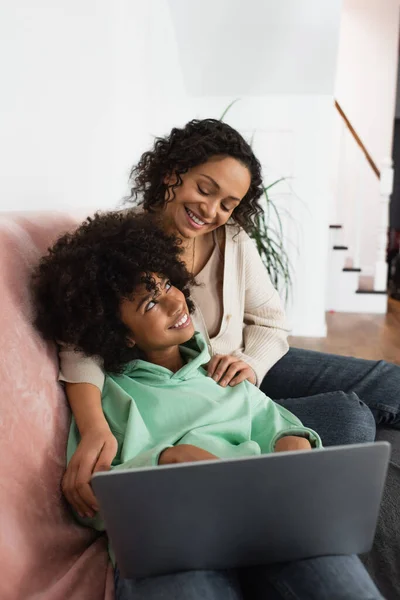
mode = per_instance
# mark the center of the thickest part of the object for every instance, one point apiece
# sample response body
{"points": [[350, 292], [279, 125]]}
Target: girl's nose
{"points": [[175, 303]]}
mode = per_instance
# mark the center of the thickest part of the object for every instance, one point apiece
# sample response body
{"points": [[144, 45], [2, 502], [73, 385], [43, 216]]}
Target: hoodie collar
{"points": [[194, 353]]}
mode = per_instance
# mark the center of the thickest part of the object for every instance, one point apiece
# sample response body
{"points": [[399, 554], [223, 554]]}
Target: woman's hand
{"points": [[230, 370], [184, 453], [292, 442], [95, 452]]}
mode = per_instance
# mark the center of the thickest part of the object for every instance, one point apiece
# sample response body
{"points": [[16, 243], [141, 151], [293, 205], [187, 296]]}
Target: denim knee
{"points": [[339, 417], [358, 423]]}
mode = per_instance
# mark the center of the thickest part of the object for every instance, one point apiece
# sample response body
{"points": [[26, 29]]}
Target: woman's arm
{"points": [[95, 452], [265, 329], [85, 402], [84, 380]]}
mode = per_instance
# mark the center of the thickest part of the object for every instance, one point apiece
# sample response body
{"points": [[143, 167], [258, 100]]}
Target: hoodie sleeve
{"points": [[148, 458], [270, 422]]}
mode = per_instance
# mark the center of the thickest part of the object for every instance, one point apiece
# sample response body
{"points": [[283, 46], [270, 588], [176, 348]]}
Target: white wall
{"points": [[64, 100], [90, 82], [257, 47], [366, 72]]}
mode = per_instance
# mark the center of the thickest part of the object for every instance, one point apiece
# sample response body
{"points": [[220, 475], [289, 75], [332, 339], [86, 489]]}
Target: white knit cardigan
{"points": [[253, 326]]}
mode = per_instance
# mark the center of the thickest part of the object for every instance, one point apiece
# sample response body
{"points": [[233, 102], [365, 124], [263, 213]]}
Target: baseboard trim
{"points": [[371, 292], [310, 332]]}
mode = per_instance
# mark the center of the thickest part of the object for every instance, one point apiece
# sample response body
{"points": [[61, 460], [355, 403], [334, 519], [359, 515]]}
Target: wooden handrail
{"points": [[358, 140]]}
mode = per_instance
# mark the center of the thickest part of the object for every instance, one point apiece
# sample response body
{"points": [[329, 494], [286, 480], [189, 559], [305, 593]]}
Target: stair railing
{"points": [[384, 175]]}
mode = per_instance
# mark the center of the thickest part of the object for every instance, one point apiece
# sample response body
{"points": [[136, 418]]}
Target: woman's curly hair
{"points": [[78, 286], [186, 148]]}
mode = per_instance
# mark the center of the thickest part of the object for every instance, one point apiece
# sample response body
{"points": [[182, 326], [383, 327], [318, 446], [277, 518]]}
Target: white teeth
{"points": [[181, 322], [194, 218]]}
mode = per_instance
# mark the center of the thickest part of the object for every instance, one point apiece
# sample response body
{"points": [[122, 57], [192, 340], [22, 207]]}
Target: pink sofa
{"points": [[44, 553]]}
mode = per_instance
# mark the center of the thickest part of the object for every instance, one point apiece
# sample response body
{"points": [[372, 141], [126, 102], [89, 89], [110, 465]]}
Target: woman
{"points": [[204, 182]]}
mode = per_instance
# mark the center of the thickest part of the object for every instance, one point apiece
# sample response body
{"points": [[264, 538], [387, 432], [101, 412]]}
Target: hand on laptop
{"points": [[292, 442], [184, 453]]}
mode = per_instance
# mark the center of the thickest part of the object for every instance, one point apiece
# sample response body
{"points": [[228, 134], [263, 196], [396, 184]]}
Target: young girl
{"points": [[117, 290]]}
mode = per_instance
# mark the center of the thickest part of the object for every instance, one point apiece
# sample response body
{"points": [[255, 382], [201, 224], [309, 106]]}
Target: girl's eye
{"points": [[150, 305], [202, 192], [225, 208]]}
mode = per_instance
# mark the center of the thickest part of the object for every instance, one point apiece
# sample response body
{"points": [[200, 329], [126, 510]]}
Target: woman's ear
{"points": [[170, 179]]}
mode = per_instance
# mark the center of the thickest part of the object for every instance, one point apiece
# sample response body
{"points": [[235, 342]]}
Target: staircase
{"points": [[357, 268], [348, 290]]}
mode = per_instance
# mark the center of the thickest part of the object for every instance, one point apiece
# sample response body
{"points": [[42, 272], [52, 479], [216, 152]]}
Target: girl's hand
{"points": [[95, 452], [184, 453], [230, 370], [292, 442]]}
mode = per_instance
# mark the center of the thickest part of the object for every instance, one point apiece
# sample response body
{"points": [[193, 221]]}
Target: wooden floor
{"points": [[364, 336]]}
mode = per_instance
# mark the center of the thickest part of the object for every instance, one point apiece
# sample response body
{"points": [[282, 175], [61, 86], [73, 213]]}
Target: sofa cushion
{"points": [[383, 562], [44, 553]]}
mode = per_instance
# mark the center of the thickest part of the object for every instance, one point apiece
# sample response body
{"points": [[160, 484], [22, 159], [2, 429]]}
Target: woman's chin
{"points": [[185, 231]]}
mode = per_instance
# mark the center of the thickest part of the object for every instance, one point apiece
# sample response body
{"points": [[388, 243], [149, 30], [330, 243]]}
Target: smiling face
{"points": [[159, 320], [207, 197]]}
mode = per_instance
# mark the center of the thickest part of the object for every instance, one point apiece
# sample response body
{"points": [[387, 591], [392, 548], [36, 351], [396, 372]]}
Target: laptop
{"points": [[242, 512]]}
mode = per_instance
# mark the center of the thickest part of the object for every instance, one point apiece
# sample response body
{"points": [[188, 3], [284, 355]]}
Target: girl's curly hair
{"points": [[186, 148], [78, 286]]}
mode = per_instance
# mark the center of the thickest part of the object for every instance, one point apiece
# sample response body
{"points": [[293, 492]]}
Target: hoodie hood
{"points": [[194, 353]]}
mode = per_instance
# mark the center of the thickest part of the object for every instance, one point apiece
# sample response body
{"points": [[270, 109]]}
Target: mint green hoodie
{"points": [[149, 408]]}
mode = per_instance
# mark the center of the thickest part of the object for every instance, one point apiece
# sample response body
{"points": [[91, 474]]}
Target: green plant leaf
{"points": [[227, 108]]}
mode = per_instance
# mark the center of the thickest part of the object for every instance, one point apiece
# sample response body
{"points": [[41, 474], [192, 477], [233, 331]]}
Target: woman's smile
{"points": [[194, 220]]}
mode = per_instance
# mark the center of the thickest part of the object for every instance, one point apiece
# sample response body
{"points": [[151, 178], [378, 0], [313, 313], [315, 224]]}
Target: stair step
{"points": [[340, 247], [335, 226], [351, 270], [371, 292]]}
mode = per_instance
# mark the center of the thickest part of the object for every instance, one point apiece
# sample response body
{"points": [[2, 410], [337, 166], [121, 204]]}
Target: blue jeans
{"points": [[324, 578], [338, 396]]}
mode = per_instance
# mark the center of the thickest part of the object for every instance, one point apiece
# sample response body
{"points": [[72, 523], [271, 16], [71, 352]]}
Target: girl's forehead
{"points": [[149, 282]]}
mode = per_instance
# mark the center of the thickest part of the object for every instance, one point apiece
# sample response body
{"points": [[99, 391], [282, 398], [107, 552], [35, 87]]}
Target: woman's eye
{"points": [[150, 305], [225, 208], [203, 192]]}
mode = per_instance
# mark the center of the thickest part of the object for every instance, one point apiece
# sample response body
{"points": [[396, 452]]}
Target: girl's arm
{"points": [[98, 445]]}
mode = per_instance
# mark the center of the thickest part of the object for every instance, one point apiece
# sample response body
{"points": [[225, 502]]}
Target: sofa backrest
{"points": [[44, 553]]}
